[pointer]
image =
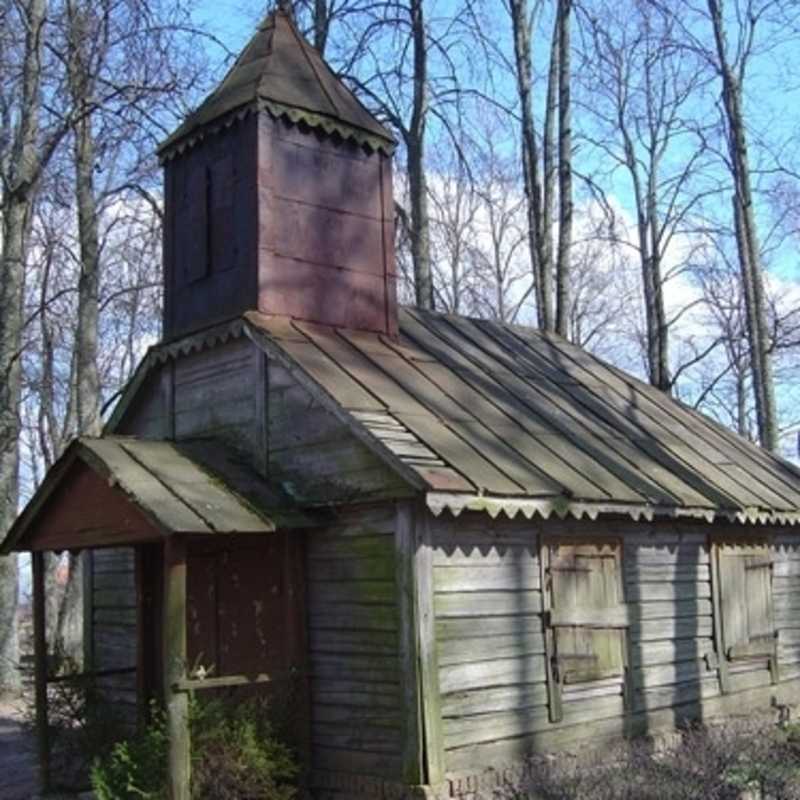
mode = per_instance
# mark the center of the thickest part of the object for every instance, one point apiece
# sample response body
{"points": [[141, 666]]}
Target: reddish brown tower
{"points": [[279, 197]]}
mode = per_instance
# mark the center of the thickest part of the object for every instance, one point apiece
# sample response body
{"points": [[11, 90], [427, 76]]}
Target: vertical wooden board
{"points": [[40, 668], [202, 645], [413, 730], [174, 667], [431, 704]]}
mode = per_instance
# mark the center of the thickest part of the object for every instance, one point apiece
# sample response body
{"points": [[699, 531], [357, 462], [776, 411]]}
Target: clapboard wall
{"points": [[490, 648], [354, 653], [112, 626]]}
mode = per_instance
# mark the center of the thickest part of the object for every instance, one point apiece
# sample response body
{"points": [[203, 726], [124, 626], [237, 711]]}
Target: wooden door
{"points": [[246, 616]]}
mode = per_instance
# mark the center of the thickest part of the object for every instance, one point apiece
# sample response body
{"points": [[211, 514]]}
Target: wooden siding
{"points": [[216, 395], [113, 626], [356, 697], [314, 455], [491, 648]]}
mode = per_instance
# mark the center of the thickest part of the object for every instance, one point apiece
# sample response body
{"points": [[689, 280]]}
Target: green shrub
{"points": [[235, 756], [136, 767]]}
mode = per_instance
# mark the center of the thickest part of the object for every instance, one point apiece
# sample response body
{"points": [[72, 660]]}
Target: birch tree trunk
{"points": [[746, 234], [564, 170], [21, 175]]}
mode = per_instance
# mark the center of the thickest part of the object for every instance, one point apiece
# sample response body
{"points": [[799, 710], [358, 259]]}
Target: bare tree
{"points": [[639, 86], [23, 157]]}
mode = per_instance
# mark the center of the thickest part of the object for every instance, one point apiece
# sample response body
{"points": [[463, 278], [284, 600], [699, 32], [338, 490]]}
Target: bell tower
{"points": [[278, 197]]}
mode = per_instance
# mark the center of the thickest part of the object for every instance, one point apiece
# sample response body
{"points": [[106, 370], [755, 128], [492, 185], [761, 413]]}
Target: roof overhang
{"points": [[564, 508], [120, 491]]}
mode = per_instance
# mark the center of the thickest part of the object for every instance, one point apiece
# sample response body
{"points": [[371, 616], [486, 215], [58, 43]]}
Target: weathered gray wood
{"points": [[585, 617], [508, 724], [668, 674], [668, 696], [671, 650], [409, 662], [430, 688], [480, 604], [88, 579], [669, 628], [350, 615], [510, 575], [492, 672], [666, 610], [40, 668], [174, 654], [457, 629], [354, 625], [645, 592], [485, 700], [525, 642], [379, 592]]}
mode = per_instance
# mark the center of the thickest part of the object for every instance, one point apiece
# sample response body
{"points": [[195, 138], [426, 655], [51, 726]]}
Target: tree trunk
{"points": [[417, 183], [20, 183], [747, 239], [87, 375], [322, 21], [564, 170], [542, 268]]}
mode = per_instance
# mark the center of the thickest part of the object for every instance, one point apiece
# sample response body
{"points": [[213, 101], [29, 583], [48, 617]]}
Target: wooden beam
{"points": [[409, 661], [176, 703], [430, 705], [722, 660], [40, 669], [88, 609]]}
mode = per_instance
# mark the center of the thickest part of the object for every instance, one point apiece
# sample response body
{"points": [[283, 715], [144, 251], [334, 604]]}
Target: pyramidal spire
{"points": [[280, 71]]}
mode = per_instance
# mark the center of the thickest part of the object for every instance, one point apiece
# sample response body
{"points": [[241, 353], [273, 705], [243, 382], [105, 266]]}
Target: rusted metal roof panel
{"points": [[505, 418], [281, 72]]}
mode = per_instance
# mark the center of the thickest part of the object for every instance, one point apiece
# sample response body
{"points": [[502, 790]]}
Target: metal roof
{"points": [[181, 488], [280, 71], [500, 417]]}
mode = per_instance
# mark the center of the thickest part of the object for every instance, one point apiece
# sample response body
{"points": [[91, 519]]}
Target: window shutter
{"points": [[748, 619], [587, 612]]}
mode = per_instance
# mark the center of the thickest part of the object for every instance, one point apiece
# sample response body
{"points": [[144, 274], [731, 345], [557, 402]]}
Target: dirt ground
{"points": [[18, 773]]}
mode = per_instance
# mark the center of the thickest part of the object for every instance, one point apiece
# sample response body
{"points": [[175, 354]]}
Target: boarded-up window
{"points": [[222, 246], [746, 608], [193, 225], [587, 615]]}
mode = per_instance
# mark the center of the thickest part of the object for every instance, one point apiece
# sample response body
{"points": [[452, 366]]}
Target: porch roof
{"points": [[119, 490]]}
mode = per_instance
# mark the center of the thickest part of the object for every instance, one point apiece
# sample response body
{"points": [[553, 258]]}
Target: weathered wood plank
{"points": [[479, 648], [344, 693], [480, 604], [508, 724], [667, 610], [349, 616], [668, 674], [648, 630], [645, 592], [355, 569], [464, 628], [671, 650], [511, 575], [487, 700], [321, 593], [335, 641], [494, 672]]}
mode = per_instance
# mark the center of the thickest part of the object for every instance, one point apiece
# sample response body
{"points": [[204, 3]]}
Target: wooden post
{"points": [[40, 668], [176, 702], [424, 751]]}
